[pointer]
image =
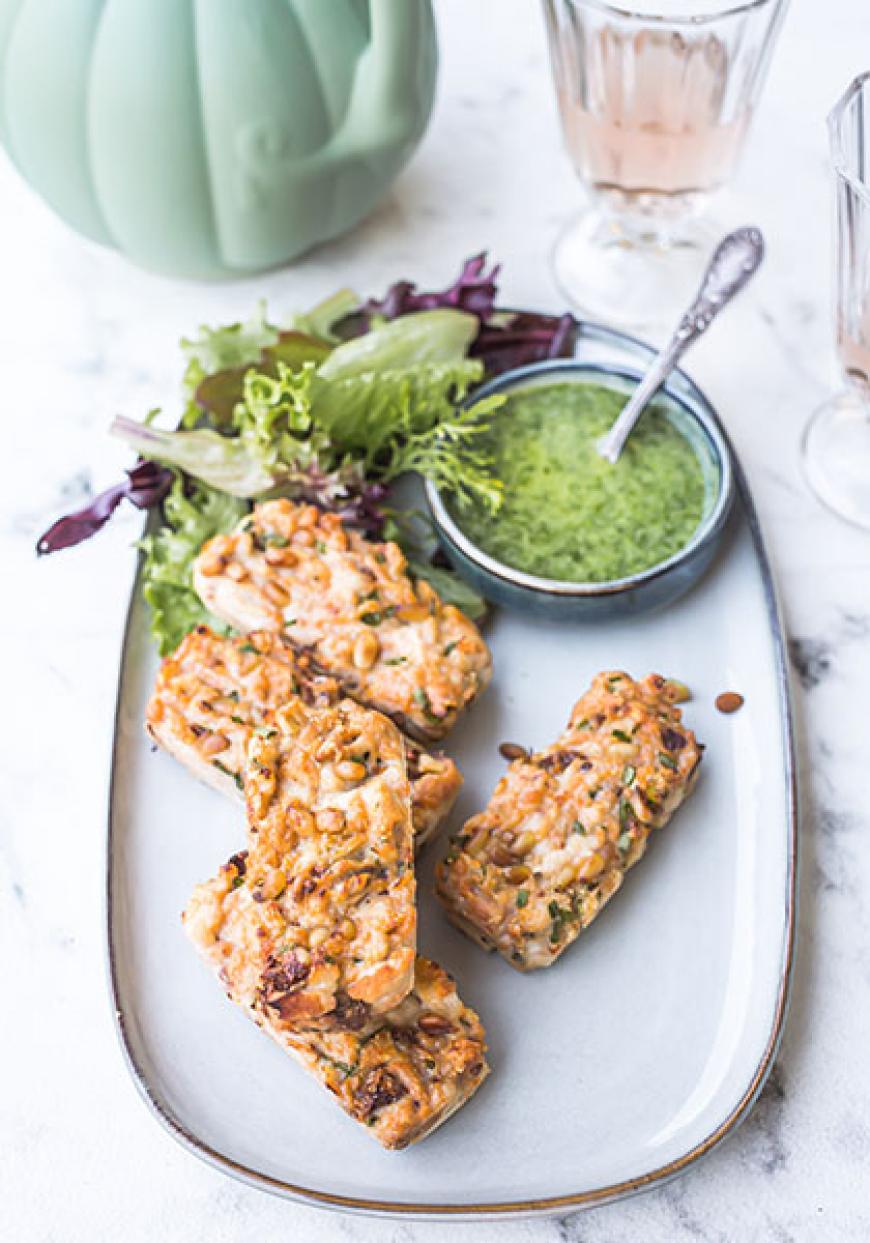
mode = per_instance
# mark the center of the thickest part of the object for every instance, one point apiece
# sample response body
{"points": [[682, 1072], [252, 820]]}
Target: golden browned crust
{"points": [[564, 824], [329, 864], [214, 690], [400, 1073], [350, 603]]}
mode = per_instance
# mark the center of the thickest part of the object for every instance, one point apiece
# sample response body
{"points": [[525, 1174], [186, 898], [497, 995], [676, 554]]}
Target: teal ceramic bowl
{"points": [[603, 356]]}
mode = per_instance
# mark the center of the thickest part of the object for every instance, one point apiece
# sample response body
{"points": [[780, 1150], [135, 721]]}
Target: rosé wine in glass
{"points": [[654, 112]]}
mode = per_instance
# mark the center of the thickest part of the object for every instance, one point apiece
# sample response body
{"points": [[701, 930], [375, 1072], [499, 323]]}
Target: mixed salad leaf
{"points": [[330, 409], [145, 486], [192, 514]]}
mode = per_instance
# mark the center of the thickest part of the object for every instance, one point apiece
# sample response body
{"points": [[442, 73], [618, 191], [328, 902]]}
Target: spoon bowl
{"points": [[604, 356]]}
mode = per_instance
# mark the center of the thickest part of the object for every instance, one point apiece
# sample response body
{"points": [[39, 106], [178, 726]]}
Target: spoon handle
{"points": [[734, 261]]}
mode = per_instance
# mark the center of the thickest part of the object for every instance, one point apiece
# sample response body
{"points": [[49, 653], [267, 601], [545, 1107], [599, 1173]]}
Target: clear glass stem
{"points": [[836, 455], [630, 271]]}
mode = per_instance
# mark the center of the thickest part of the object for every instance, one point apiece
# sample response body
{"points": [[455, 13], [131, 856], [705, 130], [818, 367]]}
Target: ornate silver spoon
{"points": [[734, 261]]}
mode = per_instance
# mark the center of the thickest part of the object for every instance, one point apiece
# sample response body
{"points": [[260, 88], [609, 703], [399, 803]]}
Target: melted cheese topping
{"points": [[213, 691], [564, 824], [391, 642]]}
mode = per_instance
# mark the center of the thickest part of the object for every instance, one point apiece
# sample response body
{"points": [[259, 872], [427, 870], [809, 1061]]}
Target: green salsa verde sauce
{"points": [[568, 514]]}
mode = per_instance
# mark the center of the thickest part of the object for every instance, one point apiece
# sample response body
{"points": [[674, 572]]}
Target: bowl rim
{"points": [[700, 411]]}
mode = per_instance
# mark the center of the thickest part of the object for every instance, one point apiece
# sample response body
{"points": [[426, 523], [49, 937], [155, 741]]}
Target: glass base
{"points": [[836, 456], [639, 278]]}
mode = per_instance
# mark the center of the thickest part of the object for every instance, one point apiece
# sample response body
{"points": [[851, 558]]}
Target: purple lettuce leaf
{"points": [[506, 338], [474, 291], [145, 486], [521, 337], [346, 492]]}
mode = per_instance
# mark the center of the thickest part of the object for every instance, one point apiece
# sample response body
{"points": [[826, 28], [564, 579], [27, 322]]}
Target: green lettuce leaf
{"points": [[223, 462], [451, 456], [442, 336], [369, 414], [222, 349], [191, 516], [322, 318], [451, 588]]}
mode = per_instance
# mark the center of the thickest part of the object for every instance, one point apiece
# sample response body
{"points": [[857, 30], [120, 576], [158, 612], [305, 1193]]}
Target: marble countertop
{"points": [[83, 336]]}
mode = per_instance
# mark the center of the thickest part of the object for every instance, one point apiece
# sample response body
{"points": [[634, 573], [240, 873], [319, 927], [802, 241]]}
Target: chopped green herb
{"points": [[238, 881], [396, 660], [522, 898], [249, 647], [626, 813], [276, 540], [237, 777], [320, 546], [375, 619], [668, 761], [288, 622], [422, 700], [624, 842], [233, 695], [582, 724], [628, 774], [238, 720], [578, 827], [621, 735], [450, 646], [561, 915]]}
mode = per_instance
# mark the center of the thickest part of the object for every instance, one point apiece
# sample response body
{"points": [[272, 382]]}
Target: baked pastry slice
{"points": [[564, 824], [350, 604], [330, 863], [401, 1073], [213, 691]]}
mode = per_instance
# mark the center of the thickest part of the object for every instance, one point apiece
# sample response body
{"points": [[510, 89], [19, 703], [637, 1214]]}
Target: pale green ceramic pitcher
{"points": [[210, 138]]}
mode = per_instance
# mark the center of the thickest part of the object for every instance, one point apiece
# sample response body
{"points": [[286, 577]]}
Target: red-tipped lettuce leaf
{"points": [[217, 395]]}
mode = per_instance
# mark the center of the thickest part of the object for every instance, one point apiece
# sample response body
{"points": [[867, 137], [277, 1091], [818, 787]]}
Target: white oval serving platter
{"points": [[614, 1069]]}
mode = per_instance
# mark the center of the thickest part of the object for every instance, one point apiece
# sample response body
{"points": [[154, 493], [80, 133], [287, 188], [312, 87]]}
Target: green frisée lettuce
{"points": [[224, 349], [192, 514], [388, 400]]}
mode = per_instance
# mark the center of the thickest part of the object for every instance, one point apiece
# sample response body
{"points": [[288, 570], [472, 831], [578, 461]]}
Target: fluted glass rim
{"points": [[677, 19], [839, 157]]}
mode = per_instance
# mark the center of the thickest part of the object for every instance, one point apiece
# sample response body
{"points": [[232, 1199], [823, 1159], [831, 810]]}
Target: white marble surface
{"points": [[83, 336]]}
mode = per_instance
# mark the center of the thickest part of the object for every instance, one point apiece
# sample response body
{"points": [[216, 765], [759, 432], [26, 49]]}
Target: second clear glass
{"points": [[654, 113], [836, 448]]}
